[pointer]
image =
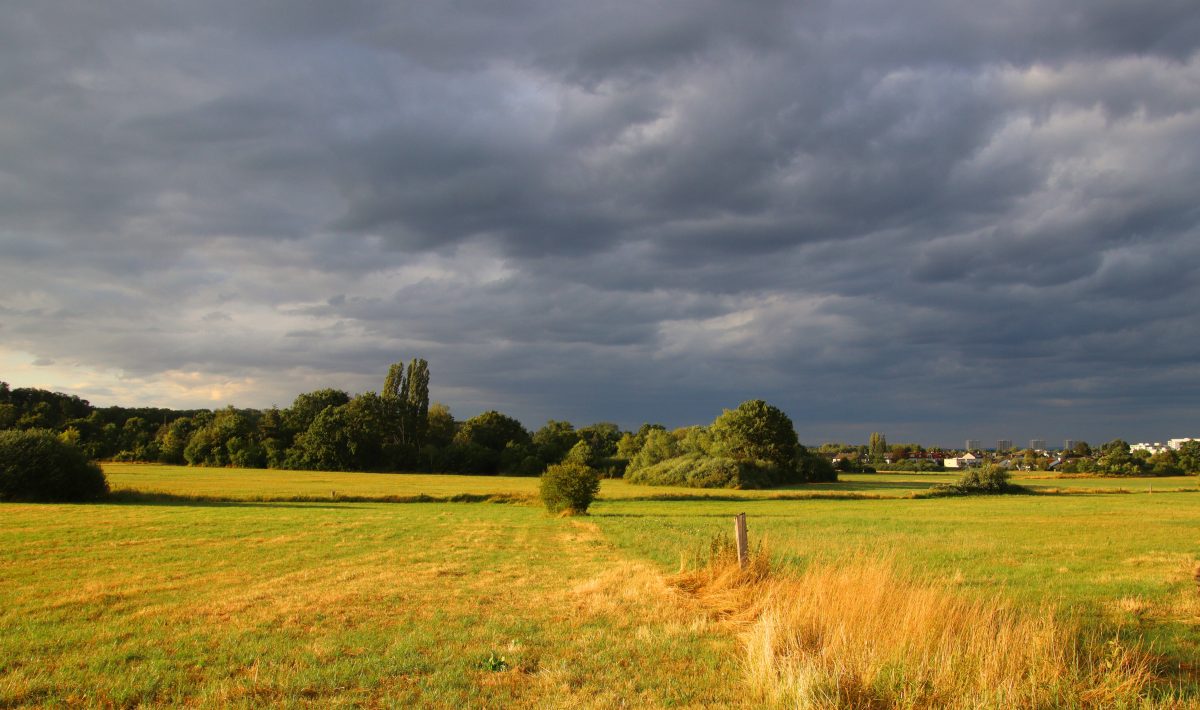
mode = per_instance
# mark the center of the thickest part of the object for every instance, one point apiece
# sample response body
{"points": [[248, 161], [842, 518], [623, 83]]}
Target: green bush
{"points": [[569, 487], [988, 479], [853, 466], [659, 446], [36, 465], [582, 454], [815, 468], [699, 471], [756, 431], [1166, 469], [520, 460], [612, 467], [468, 458]]}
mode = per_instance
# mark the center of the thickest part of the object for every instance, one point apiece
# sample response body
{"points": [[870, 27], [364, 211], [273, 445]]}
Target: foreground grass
{"points": [[343, 603], [436, 605], [1118, 561]]}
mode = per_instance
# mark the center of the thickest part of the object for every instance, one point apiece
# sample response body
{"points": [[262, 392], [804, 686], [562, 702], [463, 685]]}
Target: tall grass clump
{"points": [[861, 635]]}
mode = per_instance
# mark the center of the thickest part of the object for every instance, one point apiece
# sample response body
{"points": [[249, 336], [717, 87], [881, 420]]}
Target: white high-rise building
{"points": [[974, 445], [1004, 445], [1037, 444], [1174, 444]]}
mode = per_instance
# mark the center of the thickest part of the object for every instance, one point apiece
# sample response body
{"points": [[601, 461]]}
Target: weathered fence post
{"points": [[739, 535]]}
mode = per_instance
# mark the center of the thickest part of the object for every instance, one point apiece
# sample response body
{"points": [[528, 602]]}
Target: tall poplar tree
{"points": [[394, 382], [406, 394], [395, 398], [417, 401], [877, 446]]}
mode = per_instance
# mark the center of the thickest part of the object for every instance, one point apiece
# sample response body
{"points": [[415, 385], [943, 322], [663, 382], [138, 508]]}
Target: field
{"points": [[334, 599], [247, 484]]}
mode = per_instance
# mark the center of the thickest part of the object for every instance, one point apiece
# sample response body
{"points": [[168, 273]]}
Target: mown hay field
{"points": [[185, 601], [417, 605]]}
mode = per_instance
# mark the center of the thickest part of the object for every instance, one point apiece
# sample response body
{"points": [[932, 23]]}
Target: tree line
{"points": [[1116, 458], [399, 429], [395, 429]]}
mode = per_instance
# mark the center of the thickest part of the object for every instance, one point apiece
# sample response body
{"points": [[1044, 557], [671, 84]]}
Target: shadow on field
{"points": [[683, 514], [136, 497], [202, 503], [810, 491], [875, 486]]}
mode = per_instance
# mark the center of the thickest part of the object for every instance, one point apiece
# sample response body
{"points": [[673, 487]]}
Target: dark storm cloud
{"points": [[939, 218]]}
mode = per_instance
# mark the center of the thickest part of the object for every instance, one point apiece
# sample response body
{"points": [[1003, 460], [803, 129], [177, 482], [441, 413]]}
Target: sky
{"points": [[935, 219]]}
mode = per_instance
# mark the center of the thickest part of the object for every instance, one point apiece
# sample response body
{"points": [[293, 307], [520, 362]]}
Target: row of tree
{"points": [[328, 429], [1117, 459], [400, 429]]}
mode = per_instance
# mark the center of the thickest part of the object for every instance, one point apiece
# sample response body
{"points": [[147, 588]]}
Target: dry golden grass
{"points": [[861, 635]]}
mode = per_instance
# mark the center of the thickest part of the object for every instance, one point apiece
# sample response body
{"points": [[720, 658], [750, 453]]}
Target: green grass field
{"points": [[245, 483], [247, 602]]}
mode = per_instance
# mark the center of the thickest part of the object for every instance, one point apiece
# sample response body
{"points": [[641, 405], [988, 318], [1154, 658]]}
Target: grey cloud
{"points": [[880, 216]]}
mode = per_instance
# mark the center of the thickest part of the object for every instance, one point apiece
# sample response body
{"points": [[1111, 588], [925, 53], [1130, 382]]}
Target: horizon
{"points": [[987, 445]]}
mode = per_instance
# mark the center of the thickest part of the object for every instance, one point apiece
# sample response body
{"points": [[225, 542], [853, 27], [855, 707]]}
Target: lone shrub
{"points": [[989, 479], [994, 479], [36, 465], [569, 487]]}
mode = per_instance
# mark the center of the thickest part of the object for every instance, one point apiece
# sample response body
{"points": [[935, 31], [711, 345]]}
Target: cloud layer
{"points": [[934, 220]]}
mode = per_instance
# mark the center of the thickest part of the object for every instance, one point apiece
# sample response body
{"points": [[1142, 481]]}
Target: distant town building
{"points": [[1037, 444], [1176, 443], [1154, 448], [934, 455], [1004, 445], [965, 461], [974, 445], [1069, 444]]}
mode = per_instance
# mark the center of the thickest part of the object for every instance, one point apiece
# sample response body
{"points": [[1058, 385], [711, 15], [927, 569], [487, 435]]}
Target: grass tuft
{"points": [[861, 635]]}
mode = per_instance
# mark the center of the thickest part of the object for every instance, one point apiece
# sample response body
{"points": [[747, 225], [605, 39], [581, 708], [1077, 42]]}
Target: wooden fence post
{"points": [[739, 535]]}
